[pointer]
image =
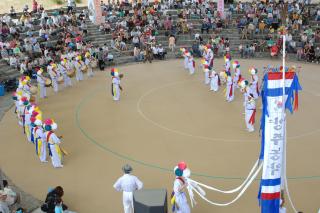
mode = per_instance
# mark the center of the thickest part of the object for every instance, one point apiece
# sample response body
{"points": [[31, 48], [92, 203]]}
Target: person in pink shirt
{"points": [[34, 6]]}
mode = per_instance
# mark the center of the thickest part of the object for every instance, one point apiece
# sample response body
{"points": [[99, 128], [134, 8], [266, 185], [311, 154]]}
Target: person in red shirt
{"points": [[34, 6]]}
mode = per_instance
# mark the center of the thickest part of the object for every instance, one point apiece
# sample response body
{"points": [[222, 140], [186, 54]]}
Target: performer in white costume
{"points": [[88, 63], [214, 81], [237, 73], [53, 143], [191, 64], [41, 84], [115, 85], [229, 88], [180, 199], [78, 66], [227, 59], [206, 72], [40, 140], [63, 71], [186, 59], [245, 89], [128, 184], [52, 70], [250, 113], [254, 84]]}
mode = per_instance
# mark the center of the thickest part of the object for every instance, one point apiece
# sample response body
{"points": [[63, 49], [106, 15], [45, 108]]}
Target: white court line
{"points": [[146, 118]]}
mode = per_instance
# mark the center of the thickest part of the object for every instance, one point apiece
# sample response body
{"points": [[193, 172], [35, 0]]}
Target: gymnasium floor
{"points": [[164, 116]]}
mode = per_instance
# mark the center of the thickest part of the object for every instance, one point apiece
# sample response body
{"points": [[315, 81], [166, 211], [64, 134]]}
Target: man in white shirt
{"points": [[128, 184]]}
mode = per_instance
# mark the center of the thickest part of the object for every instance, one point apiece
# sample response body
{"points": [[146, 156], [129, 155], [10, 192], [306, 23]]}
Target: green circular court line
{"points": [[153, 166]]}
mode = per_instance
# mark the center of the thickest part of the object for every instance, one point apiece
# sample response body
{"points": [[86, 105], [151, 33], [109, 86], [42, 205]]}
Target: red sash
{"points": [[219, 82], [48, 136], [252, 118], [239, 78], [181, 179], [231, 88], [35, 129], [193, 64]]}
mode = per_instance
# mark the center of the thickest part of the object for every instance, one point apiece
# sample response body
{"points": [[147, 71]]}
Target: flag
{"points": [[273, 135]]}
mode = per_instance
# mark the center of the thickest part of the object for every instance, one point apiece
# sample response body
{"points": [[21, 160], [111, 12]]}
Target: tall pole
{"points": [[284, 183], [283, 172]]}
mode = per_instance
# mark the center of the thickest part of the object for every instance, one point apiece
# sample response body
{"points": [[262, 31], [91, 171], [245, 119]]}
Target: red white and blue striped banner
{"points": [[273, 134]]}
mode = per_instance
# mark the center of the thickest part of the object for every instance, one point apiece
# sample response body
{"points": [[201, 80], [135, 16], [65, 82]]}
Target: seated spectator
{"points": [[241, 50], [4, 208], [317, 55], [12, 197], [137, 54], [52, 199], [161, 52], [13, 12], [136, 41], [34, 6], [252, 50]]}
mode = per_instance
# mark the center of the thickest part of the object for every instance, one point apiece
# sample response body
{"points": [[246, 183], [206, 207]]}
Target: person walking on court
{"points": [[128, 184]]}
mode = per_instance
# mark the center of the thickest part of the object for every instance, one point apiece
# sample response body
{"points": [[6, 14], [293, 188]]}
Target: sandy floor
{"points": [[164, 116]]}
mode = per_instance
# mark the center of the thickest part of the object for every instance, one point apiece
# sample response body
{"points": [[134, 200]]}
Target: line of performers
{"points": [[70, 65], [41, 133], [250, 89]]}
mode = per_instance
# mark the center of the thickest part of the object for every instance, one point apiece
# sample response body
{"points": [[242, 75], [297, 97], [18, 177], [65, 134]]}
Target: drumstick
{"points": [[64, 151]]}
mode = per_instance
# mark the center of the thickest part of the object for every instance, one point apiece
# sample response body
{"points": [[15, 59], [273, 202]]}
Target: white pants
{"points": [[229, 98], [67, 80], [90, 72], [55, 84], [41, 150], [79, 75], [186, 62], [214, 86], [235, 81], [206, 78], [191, 69], [183, 206], [128, 202], [248, 114], [43, 90], [116, 92], [55, 158]]}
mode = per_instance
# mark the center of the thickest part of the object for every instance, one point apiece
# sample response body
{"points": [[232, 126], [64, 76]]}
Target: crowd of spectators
{"points": [[26, 40]]}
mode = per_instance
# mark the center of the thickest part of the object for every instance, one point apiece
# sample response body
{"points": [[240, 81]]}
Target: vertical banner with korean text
{"points": [[273, 134]]}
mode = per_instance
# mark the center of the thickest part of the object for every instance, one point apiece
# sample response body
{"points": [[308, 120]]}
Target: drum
{"points": [[71, 73], [48, 82], [84, 69], [60, 80], [94, 64], [33, 90]]}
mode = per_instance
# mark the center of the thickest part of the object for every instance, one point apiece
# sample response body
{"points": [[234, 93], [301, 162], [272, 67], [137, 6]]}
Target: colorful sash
{"points": [[253, 116], [231, 88]]}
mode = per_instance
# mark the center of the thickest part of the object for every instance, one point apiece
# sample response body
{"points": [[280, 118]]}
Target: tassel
{"points": [[296, 101]]}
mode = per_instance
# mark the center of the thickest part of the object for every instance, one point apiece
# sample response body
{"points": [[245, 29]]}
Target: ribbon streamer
{"points": [[237, 197], [228, 191]]}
